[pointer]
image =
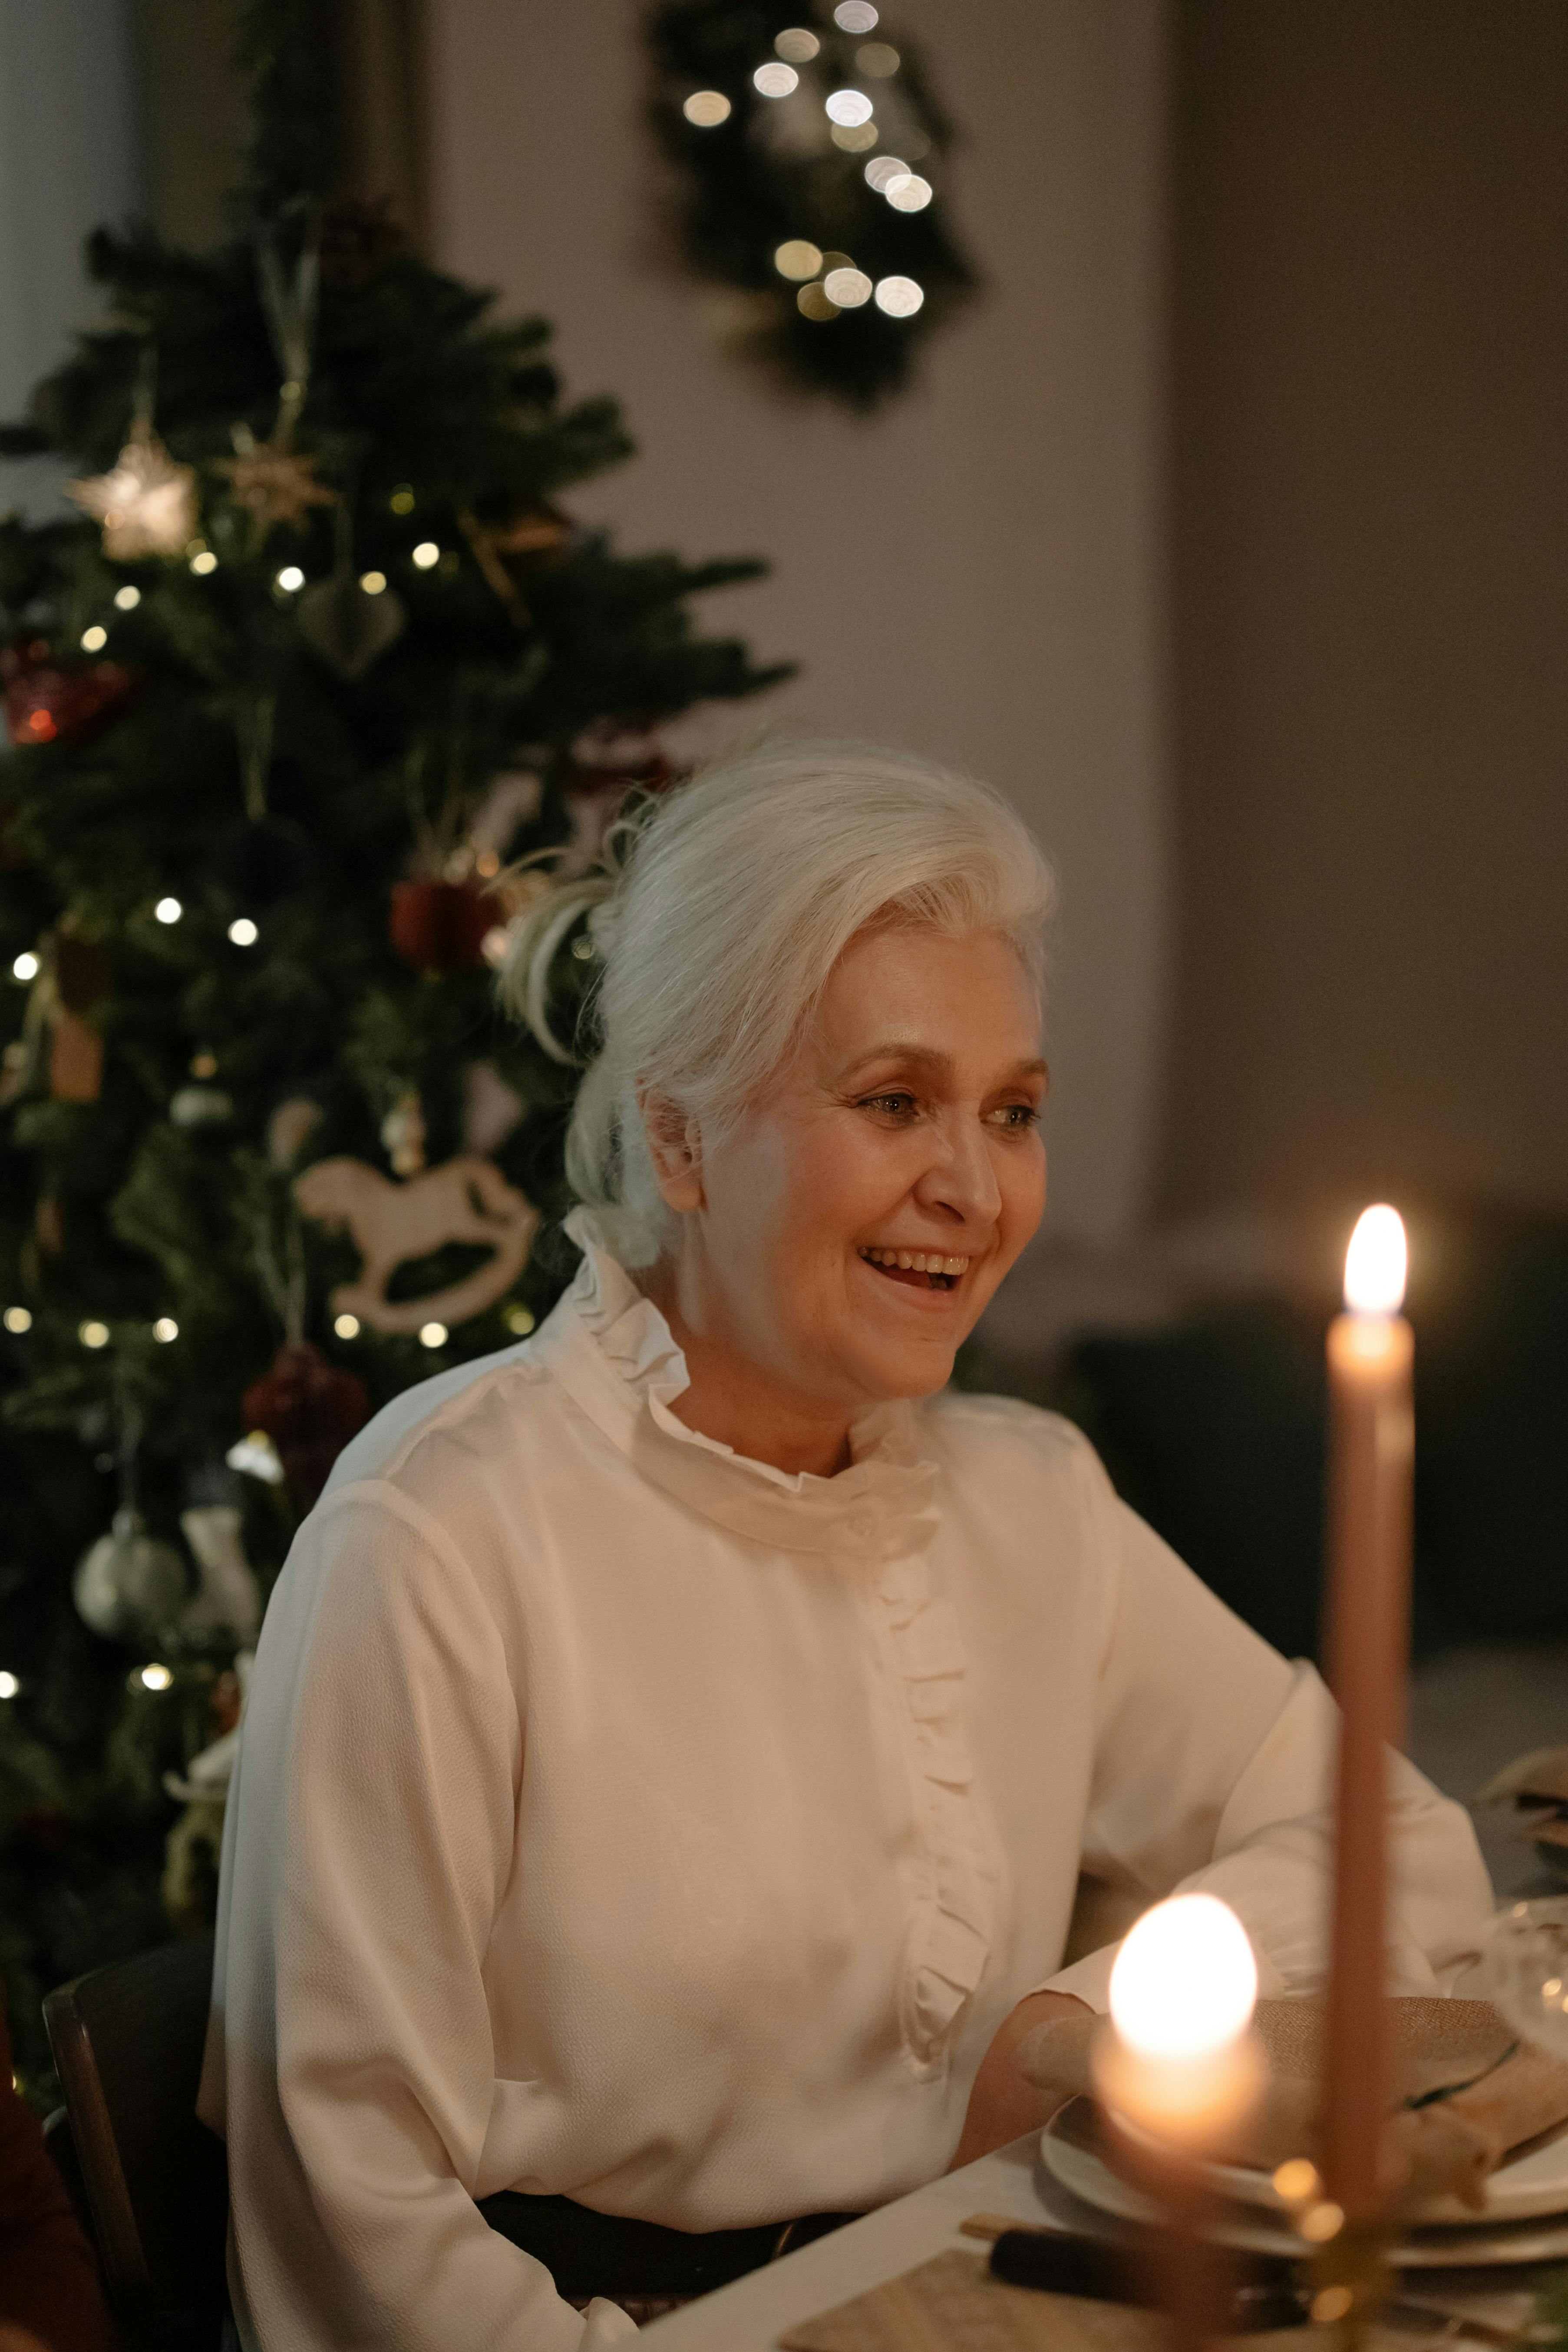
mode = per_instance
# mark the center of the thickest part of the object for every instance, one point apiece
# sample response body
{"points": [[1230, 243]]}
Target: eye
{"points": [[894, 1104], [1017, 1118]]}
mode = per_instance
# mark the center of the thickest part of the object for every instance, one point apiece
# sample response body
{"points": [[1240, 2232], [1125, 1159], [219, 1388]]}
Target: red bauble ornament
{"points": [[309, 1409], [45, 703], [441, 926]]}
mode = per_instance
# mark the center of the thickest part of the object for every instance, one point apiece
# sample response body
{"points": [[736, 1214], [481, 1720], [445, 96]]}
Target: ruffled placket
{"points": [[614, 1352]]}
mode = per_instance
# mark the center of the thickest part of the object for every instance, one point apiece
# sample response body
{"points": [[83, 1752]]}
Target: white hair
{"points": [[715, 918]]}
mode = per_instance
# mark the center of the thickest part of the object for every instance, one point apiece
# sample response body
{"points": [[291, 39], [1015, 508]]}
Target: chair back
{"points": [[127, 2043]]}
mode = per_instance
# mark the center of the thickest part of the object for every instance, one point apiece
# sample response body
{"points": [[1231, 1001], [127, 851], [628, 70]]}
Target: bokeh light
{"points": [[402, 498], [291, 578], [168, 910], [126, 599], [883, 170], [426, 555], [203, 561], [243, 931], [25, 966], [901, 298], [155, 1677], [848, 287], [846, 106], [9, 1686], [706, 109], [854, 137], [909, 193], [813, 303], [93, 640], [17, 1321], [878, 58], [855, 17], [798, 258], [373, 583], [796, 45], [775, 80], [432, 1334], [346, 1327], [93, 1334], [165, 1330]]}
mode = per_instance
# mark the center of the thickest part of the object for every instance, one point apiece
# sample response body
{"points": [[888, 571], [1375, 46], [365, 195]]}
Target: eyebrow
{"points": [[928, 1057]]}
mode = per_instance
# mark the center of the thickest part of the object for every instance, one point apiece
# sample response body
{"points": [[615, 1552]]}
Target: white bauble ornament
{"points": [[129, 1585]]}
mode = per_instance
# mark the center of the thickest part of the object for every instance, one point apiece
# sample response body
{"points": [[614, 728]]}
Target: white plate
{"points": [[1493, 2237]]}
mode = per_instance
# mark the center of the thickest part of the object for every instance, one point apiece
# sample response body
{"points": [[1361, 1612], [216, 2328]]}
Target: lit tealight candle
{"points": [[1181, 2064], [1367, 1649]]}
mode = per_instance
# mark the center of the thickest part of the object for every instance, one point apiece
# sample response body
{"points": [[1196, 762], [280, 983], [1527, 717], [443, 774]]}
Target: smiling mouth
{"points": [[919, 1269]]}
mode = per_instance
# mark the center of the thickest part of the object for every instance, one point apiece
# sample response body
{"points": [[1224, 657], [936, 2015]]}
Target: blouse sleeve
{"points": [[1214, 1769], [376, 1802]]}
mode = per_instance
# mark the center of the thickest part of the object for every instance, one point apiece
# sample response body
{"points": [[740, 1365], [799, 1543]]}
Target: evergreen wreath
{"points": [[808, 161]]}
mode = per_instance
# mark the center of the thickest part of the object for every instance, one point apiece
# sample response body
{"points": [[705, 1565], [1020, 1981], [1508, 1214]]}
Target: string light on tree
{"points": [[855, 17], [848, 287], [908, 192], [165, 1330], [126, 599], [9, 1686], [93, 1334], [797, 259], [373, 583], [168, 910], [25, 966], [155, 1677], [775, 80], [93, 640], [847, 106], [290, 580], [433, 1335], [243, 931], [17, 1321], [425, 556], [203, 561], [346, 1327], [705, 109]]}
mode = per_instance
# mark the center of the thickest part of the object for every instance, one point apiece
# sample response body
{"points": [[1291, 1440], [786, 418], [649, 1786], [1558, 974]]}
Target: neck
{"points": [[736, 1401]]}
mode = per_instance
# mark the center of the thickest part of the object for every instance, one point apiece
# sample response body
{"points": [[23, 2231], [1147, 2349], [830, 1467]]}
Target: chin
{"points": [[896, 1374]]}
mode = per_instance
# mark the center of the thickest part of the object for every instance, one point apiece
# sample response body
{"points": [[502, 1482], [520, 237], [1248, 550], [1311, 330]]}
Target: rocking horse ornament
{"points": [[464, 1200]]}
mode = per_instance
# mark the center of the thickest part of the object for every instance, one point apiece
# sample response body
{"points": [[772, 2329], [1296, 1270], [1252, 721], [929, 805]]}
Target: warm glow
{"points": [[848, 287], [909, 193], [494, 945], [1185, 1983], [17, 1319], [25, 966], [168, 910], [796, 45], [93, 640], [901, 298], [1376, 1263], [775, 80], [519, 1319], [243, 931], [94, 1335], [854, 138], [291, 578], [346, 1327], [883, 170], [813, 303], [165, 1330], [877, 59], [798, 258], [432, 1334], [426, 555], [855, 17], [373, 583], [156, 1678], [203, 561], [705, 109], [9, 1686], [127, 598], [402, 498], [848, 107]]}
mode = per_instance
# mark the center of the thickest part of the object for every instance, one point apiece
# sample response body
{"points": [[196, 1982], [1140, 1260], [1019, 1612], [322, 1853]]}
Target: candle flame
{"points": [[1375, 1262], [1186, 1982]]}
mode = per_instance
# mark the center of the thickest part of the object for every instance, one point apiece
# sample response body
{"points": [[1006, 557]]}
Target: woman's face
{"points": [[845, 1237]]}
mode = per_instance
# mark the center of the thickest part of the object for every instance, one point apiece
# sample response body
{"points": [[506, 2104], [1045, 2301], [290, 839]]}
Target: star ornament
{"points": [[275, 485], [146, 503]]}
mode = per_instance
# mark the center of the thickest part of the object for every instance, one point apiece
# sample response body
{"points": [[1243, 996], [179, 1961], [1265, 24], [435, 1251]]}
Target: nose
{"points": [[960, 1183]]}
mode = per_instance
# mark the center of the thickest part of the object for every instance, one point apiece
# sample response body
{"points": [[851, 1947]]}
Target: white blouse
{"points": [[622, 1817]]}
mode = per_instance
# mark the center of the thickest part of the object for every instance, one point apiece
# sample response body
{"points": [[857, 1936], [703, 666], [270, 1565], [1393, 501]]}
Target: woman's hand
{"points": [[1005, 2101]]}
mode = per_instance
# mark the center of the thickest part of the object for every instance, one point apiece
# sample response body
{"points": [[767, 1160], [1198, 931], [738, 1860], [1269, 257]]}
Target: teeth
{"points": [[918, 1260]]}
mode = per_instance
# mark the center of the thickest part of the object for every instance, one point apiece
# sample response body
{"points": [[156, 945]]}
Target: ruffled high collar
{"points": [[616, 1356]]}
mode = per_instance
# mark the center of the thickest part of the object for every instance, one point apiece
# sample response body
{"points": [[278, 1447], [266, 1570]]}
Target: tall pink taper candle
{"points": [[1368, 1648]]}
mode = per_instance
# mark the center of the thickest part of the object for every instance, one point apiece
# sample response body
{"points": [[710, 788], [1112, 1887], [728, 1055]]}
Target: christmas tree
{"points": [[312, 660]]}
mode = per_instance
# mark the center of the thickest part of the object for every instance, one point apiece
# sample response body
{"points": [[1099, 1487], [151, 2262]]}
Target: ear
{"points": [[675, 1147]]}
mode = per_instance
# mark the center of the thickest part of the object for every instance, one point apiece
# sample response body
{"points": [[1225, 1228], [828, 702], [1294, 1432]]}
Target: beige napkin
{"points": [[1492, 2095]]}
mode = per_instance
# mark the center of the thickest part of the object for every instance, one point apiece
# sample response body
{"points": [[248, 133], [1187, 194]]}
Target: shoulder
{"points": [[447, 1424], [982, 1437]]}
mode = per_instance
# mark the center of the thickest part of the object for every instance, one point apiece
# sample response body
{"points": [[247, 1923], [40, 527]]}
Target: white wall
{"points": [[975, 571], [69, 159]]}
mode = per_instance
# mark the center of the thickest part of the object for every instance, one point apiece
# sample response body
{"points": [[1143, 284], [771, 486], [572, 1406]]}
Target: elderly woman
{"points": [[675, 1741]]}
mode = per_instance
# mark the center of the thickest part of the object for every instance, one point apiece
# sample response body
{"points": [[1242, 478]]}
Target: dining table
{"points": [[948, 2303]]}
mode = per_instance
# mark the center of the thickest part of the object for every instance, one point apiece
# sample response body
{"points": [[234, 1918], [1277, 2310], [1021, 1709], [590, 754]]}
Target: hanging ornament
{"points": [[228, 1601], [402, 1133], [146, 503], [129, 1586], [490, 1108], [463, 1200], [441, 926], [75, 980], [45, 703], [344, 623], [289, 1128], [309, 1409], [76, 1059], [276, 484]]}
